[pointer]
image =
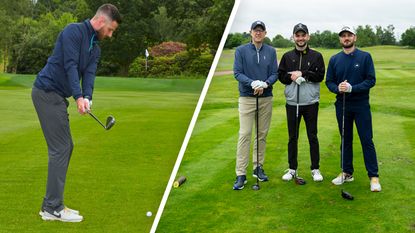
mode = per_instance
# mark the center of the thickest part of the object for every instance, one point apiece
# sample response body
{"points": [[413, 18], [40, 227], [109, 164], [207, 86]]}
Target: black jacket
{"points": [[312, 65]]}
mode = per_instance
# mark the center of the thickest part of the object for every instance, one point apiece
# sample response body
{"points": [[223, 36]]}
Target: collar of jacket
{"points": [[305, 51], [253, 46], [92, 34]]}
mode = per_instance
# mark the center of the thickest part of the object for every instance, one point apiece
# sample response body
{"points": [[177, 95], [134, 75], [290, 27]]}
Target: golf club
{"points": [[110, 120], [256, 185], [298, 180], [344, 194]]}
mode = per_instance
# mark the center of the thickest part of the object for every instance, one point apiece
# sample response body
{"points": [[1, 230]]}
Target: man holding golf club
{"points": [[301, 70], [74, 58], [255, 68], [350, 75]]}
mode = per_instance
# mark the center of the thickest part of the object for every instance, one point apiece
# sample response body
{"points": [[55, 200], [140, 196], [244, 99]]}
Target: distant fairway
{"points": [[207, 203], [115, 176]]}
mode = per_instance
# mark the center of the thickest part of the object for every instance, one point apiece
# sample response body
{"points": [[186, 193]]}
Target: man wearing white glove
{"points": [[301, 70], [255, 69], [69, 72], [351, 75]]}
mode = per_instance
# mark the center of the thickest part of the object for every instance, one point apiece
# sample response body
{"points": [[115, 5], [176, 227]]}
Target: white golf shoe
{"points": [[316, 174], [65, 215], [375, 185], [339, 180], [289, 175], [41, 212]]}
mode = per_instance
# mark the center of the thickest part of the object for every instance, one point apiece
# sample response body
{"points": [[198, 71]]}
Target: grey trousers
{"points": [[247, 109], [52, 111]]}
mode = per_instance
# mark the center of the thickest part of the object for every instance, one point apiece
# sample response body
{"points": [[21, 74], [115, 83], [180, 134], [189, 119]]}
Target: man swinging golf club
{"points": [[350, 75], [301, 70], [74, 58], [255, 68]]}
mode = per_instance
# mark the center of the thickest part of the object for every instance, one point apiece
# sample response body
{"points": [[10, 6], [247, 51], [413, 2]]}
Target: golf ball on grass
{"points": [[149, 213]]}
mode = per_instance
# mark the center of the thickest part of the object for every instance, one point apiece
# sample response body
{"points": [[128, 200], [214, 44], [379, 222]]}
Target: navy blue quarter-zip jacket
{"points": [[251, 64], [75, 57], [357, 68]]}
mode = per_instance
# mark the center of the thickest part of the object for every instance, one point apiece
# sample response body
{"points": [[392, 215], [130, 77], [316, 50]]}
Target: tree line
{"points": [[367, 35], [29, 28]]}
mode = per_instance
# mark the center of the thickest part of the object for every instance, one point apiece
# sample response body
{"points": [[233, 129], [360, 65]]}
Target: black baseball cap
{"points": [[300, 27], [258, 23]]}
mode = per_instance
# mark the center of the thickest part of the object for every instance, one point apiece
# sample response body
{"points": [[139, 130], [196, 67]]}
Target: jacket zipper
{"points": [[257, 55]]}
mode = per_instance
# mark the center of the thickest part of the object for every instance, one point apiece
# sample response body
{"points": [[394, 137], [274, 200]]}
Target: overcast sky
{"points": [[280, 16]]}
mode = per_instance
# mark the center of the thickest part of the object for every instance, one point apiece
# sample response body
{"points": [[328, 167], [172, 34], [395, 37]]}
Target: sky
{"points": [[280, 16]]}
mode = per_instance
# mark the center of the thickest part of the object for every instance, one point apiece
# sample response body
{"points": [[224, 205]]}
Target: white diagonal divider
{"points": [[194, 118]]}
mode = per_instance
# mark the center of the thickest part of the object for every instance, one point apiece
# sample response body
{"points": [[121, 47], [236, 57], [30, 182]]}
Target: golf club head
{"points": [[347, 195], [299, 181], [256, 187], [110, 122]]}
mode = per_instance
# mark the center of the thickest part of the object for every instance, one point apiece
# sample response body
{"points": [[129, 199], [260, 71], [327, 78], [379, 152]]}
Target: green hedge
{"points": [[179, 64]]}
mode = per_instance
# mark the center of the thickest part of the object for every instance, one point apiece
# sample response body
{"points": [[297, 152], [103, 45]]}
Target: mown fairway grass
{"points": [[115, 176], [207, 203]]}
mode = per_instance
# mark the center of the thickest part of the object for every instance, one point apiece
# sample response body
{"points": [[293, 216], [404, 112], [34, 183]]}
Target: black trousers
{"points": [[310, 113]]}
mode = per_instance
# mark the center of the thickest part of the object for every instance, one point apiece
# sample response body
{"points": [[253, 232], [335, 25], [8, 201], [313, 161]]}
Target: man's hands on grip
{"points": [[345, 87], [84, 105], [259, 87]]}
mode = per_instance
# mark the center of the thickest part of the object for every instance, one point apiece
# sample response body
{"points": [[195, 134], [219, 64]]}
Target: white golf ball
{"points": [[149, 213]]}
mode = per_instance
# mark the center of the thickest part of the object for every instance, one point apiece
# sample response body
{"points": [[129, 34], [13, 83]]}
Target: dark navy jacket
{"points": [[250, 65], [75, 57], [357, 68]]}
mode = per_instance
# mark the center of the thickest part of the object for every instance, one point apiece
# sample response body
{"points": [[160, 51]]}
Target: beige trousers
{"points": [[247, 108]]}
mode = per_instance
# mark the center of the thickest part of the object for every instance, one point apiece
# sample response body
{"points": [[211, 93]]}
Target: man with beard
{"points": [[350, 75], [255, 68], [74, 58], [302, 70]]}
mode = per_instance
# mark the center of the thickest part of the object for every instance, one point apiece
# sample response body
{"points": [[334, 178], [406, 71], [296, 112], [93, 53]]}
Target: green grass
{"points": [[115, 176], [207, 203]]}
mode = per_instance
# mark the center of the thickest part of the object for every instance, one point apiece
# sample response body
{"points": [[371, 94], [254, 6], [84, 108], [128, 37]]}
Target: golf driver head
{"points": [[299, 181], [110, 122], [347, 195], [256, 187]]}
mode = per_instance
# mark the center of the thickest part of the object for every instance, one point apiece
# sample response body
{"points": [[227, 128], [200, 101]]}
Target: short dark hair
{"points": [[111, 11]]}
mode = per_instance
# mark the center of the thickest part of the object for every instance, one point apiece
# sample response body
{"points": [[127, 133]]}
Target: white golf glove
{"points": [[349, 88], [300, 80], [88, 104], [256, 84], [264, 85]]}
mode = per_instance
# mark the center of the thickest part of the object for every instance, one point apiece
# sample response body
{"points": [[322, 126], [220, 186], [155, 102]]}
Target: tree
{"points": [[325, 39], [366, 36], [280, 42], [386, 36], [408, 37]]}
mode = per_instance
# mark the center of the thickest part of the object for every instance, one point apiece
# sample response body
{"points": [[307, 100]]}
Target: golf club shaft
{"points": [[342, 139], [93, 116], [297, 127], [257, 141]]}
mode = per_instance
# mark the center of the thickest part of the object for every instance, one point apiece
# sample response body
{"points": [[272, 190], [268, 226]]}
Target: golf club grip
{"points": [[179, 181], [93, 116]]}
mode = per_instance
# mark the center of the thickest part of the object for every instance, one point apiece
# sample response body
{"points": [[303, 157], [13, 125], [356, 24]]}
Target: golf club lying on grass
{"points": [[256, 185], [344, 194], [110, 120]]}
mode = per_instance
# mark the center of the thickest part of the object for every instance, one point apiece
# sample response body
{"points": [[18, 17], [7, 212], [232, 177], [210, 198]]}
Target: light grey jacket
{"points": [[309, 93]]}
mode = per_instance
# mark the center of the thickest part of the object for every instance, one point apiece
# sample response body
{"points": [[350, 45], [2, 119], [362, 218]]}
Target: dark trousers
{"points": [[360, 114], [52, 111], [310, 113]]}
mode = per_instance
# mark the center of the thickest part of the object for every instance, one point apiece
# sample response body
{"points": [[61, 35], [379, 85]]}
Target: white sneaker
{"points": [[375, 185], [41, 212], [64, 215], [346, 178], [316, 174], [290, 173]]}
